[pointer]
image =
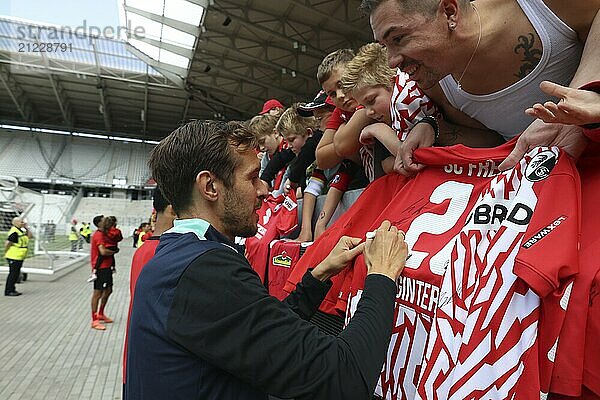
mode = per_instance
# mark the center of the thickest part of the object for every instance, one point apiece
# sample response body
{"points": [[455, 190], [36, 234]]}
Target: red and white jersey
{"points": [[368, 161], [408, 104], [432, 209], [277, 217], [283, 256], [512, 263], [355, 222]]}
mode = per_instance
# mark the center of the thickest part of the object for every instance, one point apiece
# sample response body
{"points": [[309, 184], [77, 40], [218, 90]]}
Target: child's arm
{"points": [[314, 188], [384, 133], [104, 251], [346, 138], [309, 201], [276, 164], [325, 154], [331, 202], [337, 187], [306, 156]]}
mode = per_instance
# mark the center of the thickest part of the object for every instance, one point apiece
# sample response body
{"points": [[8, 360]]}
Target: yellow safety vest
{"points": [[86, 231], [73, 235], [17, 251]]}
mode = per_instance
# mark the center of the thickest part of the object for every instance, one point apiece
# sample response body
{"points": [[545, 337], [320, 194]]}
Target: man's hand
{"points": [[346, 249], [421, 135], [576, 106], [567, 137], [386, 252]]}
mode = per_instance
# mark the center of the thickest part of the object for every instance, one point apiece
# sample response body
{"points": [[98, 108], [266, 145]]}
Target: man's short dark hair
{"points": [[425, 6], [97, 219], [158, 201], [194, 147]]}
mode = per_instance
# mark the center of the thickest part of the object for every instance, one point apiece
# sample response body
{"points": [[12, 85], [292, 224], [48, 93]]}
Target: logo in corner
{"points": [[540, 166], [282, 260]]}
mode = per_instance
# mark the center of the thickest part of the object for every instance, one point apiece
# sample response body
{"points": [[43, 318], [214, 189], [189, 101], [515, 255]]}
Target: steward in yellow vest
{"points": [[74, 236], [18, 250], [15, 252], [86, 232]]}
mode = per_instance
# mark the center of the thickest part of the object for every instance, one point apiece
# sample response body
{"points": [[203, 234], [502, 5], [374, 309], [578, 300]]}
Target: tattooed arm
{"points": [[451, 134], [568, 137]]}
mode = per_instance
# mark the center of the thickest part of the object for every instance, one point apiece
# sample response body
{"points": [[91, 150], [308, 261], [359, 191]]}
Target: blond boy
{"points": [[389, 97]]}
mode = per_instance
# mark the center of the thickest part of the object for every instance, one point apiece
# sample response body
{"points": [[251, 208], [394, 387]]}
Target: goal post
{"points": [[52, 247]]}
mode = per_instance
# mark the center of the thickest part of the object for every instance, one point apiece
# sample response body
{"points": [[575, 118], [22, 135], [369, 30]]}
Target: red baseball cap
{"points": [[269, 105]]}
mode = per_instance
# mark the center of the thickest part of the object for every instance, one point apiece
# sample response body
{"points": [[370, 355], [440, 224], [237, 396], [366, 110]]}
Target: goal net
{"points": [[54, 245]]}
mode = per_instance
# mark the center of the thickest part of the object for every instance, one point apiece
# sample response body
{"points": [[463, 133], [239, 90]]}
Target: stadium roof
{"points": [[196, 59]]}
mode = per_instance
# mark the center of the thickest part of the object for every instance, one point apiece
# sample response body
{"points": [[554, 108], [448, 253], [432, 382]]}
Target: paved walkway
{"points": [[48, 350]]}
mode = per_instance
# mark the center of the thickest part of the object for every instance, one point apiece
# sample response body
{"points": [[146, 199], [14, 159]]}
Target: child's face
{"points": [[275, 111], [332, 87], [376, 100], [269, 143], [295, 142]]}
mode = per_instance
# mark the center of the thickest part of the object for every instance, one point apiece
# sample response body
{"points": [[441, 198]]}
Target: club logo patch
{"points": [[282, 260], [540, 166]]}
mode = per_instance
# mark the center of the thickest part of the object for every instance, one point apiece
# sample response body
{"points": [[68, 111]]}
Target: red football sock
{"points": [[94, 316], [101, 312]]}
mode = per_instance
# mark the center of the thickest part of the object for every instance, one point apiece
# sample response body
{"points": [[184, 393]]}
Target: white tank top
{"points": [[503, 111]]}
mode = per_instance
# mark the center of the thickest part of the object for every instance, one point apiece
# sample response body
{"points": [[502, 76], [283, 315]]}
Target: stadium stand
{"points": [[78, 159], [83, 160], [138, 170], [38, 153], [120, 162]]}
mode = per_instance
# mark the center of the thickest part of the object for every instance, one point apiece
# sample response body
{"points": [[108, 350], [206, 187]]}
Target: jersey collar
{"points": [[202, 229], [196, 226]]}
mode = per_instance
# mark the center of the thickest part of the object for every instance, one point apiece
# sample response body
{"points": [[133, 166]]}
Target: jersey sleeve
{"points": [[549, 251], [336, 120], [305, 158], [278, 162]]}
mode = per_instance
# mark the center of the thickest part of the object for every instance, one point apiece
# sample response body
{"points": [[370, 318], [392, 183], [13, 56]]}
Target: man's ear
{"points": [[207, 185], [450, 10]]}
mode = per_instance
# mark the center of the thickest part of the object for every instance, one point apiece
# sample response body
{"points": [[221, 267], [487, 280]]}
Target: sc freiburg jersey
{"points": [[433, 208], [277, 217], [409, 104], [510, 265], [283, 256]]}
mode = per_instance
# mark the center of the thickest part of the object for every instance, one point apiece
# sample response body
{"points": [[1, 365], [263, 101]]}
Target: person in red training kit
{"points": [[102, 260], [164, 221], [112, 237]]}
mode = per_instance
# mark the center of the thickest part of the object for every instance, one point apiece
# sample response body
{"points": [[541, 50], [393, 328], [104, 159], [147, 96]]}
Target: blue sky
{"points": [[72, 13]]}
